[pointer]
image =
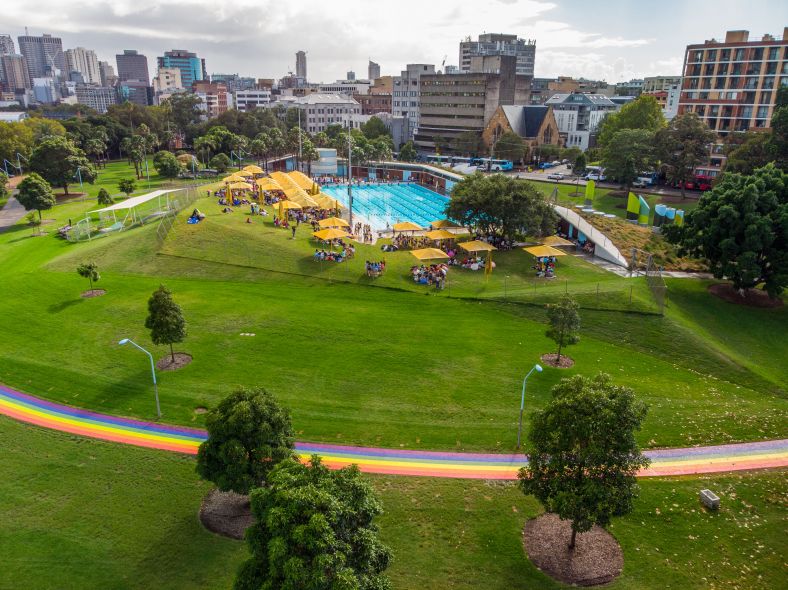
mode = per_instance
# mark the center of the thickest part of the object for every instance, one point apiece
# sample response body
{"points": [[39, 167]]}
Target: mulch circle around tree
{"points": [[93, 293], [551, 359], [596, 559], [226, 513], [618, 194], [167, 364], [200, 410], [751, 297]]}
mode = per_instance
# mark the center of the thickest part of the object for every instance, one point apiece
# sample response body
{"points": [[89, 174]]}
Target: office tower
{"points": [[301, 64], [44, 55], [96, 97], [499, 44], [6, 45], [132, 66], [373, 71], [107, 73], [192, 67], [15, 71], [406, 96], [351, 75], [83, 61]]}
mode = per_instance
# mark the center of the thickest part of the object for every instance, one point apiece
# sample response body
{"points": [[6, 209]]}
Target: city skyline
{"points": [[260, 39]]}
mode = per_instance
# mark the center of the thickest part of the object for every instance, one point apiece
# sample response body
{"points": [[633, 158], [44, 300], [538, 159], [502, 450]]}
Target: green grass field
{"points": [[380, 362]]}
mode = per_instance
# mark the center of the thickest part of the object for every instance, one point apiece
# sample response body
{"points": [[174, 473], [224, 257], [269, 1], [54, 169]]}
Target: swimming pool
{"points": [[388, 204]]}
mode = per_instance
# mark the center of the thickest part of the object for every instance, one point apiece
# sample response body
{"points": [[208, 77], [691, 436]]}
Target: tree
{"points": [[135, 148], [564, 323], [501, 204], [779, 125], [220, 163], [314, 529], [682, 146], [4, 192], [309, 154], [89, 271], [468, 143], [374, 128], [407, 153], [740, 228], [167, 164], [582, 454], [127, 186], [441, 143], [104, 198], [752, 152], [642, 113], [510, 146], [184, 109], [42, 127], [248, 434], [35, 194], [628, 153], [57, 160], [579, 165], [15, 138], [165, 319]]}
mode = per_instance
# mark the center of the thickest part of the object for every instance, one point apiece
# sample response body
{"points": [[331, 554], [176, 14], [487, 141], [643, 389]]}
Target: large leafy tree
{"points": [[510, 146], [135, 148], [502, 205], [740, 228], [249, 432], [184, 110], [779, 142], [314, 530], [408, 153], [35, 194], [4, 192], [127, 186], [167, 164], [15, 138], [628, 153], [374, 128], [746, 154], [220, 163], [564, 321], [165, 319], [682, 146], [467, 143], [642, 113], [583, 458], [42, 127]]}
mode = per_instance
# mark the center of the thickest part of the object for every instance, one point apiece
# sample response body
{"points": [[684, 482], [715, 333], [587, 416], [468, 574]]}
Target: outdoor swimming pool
{"points": [[388, 204]]}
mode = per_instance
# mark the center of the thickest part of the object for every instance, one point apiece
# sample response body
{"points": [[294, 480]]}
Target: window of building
{"points": [[746, 112], [774, 53], [758, 54], [766, 98], [725, 55], [763, 112], [739, 54]]}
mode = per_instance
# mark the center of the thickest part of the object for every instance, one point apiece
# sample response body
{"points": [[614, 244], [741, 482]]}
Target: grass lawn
{"points": [[81, 513]]}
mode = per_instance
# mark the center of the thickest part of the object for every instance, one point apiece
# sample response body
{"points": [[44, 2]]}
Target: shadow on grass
{"points": [[63, 305]]}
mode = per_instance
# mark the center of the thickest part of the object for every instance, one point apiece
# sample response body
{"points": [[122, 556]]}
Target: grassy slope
{"points": [[85, 514]]}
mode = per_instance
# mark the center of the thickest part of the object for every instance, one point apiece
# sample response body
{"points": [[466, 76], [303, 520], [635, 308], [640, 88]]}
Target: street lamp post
{"points": [[152, 371], [538, 369]]}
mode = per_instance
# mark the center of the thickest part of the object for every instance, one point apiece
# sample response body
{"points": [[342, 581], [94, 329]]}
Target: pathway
{"points": [[182, 439], [11, 213]]}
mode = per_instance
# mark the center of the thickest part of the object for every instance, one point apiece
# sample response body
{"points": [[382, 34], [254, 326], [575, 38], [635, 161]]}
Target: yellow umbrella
{"points": [[477, 246], [333, 222], [406, 226], [268, 184], [330, 234], [443, 223], [239, 186], [244, 173], [326, 202], [234, 178], [540, 251], [440, 234], [429, 254], [253, 169], [556, 241], [287, 205]]}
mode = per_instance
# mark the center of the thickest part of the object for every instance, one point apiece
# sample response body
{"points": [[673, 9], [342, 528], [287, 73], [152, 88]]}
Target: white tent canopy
{"points": [[135, 201]]}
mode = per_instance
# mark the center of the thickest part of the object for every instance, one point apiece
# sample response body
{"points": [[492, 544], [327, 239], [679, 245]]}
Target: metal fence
{"points": [[184, 199], [642, 262]]}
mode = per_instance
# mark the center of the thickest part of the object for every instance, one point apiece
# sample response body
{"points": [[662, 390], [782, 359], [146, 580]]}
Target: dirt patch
{"points": [[226, 513], [167, 364], [93, 293], [618, 194], [200, 410], [552, 360], [751, 297], [596, 559]]}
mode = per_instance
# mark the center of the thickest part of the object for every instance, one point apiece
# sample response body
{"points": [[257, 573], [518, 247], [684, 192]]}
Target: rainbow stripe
{"points": [[181, 439]]}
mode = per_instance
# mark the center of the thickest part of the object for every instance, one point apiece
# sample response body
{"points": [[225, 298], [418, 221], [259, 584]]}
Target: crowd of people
{"points": [[434, 274], [499, 242], [346, 251], [545, 267], [365, 231], [375, 269], [470, 262], [410, 242]]}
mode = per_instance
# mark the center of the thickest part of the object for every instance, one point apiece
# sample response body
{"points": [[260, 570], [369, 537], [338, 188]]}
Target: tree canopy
{"points": [[167, 164], [740, 228], [127, 186], [165, 319], [103, 197], [467, 143], [407, 153], [249, 432], [510, 146], [502, 205], [374, 128], [628, 153], [642, 113], [89, 271], [682, 146], [57, 160], [564, 321], [314, 530], [15, 138], [35, 194], [582, 454]]}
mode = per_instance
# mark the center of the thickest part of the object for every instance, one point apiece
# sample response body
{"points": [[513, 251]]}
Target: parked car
{"points": [[639, 183], [595, 177], [555, 176], [545, 165]]}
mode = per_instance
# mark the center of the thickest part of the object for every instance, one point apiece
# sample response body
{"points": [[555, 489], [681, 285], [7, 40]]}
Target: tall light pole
{"points": [[152, 371], [349, 172], [538, 369]]}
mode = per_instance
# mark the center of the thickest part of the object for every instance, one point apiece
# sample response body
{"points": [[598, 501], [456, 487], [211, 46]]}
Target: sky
{"points": [[614, 40]]}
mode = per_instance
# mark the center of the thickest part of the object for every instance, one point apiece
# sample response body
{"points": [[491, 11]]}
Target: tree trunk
{"points": [[574, 537], [172, 353], [683, 194], [558, 360], [65, 189], [90, 279], [39, 216]]}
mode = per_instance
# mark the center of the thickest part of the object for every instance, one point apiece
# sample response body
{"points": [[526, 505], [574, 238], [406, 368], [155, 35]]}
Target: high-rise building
{"points": [[167, 80], [373, 71], [351, 76], [44, 55], [17, 77], [499, 44], [653, 84], [136, 91], [234, 82], [215, 98], [96, 97], [247, 100], [453, 104], [6, 45], [83, 61], [301, 64], [132, 66], [107, 74], [45, 90], [192, 67], [405, 99]]}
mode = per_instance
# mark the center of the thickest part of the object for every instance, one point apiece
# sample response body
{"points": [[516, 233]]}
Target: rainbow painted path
{"points": [[181, 439]]}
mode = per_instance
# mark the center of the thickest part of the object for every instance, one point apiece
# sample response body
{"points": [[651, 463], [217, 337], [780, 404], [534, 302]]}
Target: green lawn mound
{"points": [[596, 558]]}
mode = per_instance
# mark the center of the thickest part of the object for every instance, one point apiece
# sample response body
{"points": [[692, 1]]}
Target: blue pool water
{"points": [[388, 204]]}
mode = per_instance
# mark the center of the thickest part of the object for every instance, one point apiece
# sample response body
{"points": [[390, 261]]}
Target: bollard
{"points": [[709, 499]]}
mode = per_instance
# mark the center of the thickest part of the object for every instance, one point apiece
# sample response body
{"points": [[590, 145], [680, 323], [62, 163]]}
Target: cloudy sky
{"points": [[608, 39]]}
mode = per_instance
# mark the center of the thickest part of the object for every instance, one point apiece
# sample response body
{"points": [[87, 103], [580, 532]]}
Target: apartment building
{"points": [[85, 62], [405, 98], [215, 98], [652, 84], [246, 100], [98, 98], [578, 116], [491, 44], [43, 54], [318, 111]]}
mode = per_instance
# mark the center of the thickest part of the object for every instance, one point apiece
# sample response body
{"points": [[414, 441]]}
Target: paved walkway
{"points": [[181, 439], [11, 213]]}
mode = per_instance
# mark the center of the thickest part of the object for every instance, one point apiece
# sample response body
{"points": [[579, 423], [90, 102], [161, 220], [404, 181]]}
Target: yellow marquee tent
{"points": [[440, 234], [406, 226], [443, 223], [429, 254], [540, 251], [253, 169], [476, 246], [239, 186], [333, 222], [330, 234], [555, 241]]}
